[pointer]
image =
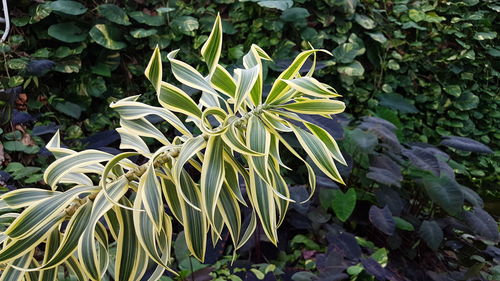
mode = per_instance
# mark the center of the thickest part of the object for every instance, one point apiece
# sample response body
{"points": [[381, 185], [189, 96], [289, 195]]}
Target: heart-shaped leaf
{"points": [[107, 36], [344, 203], [67, 32]]}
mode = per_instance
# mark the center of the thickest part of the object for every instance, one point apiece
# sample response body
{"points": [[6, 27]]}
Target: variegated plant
{"points": [[82, 216]]}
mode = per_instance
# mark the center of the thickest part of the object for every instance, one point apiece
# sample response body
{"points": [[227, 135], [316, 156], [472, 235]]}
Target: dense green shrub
{"points": [[429, 66]]}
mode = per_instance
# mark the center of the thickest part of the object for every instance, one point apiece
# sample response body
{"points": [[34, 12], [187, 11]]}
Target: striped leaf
{"points": [[318, 152], [132, 110], [245, 81], [90, 252], [262, 198], [316, 107], [194, 222], [311, 87], [51, 246], [212, 175], [175, 99], [21, 198], [212, 48], [128, 264], [35, 216], [280, 87], [11, 273], [69, 163], [258, 139], [232, 137], [328, 140], [154, 71], [150, 192], [223, 82], [254, 59], [20, 246], [189, 76]]}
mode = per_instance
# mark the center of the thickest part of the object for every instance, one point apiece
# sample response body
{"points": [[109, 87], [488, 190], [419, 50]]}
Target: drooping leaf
{"points": [[432, 234], [465, 144], [382, 219], [446, 193], [482, 224]]}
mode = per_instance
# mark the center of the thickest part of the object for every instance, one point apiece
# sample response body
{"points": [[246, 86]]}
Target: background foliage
{"points": [[428, 67]]}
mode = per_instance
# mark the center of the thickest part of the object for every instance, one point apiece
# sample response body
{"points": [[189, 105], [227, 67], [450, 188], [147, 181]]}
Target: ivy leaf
{"points": [[107, 36], [143, 33], [397, 102], [280, 4], [431, 233], [353, 69], [382, 219], [68, 7], [67, 32], [147, 19], [344, 203], [365, 21], [114, 14], [294, 14], [185, 24]]}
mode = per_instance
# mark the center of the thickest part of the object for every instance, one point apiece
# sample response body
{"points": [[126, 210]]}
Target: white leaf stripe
{"points": [[154, 71], [212, 175], [310, 86], [175, 99]]}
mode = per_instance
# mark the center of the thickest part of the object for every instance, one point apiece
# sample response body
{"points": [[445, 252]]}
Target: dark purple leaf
{"points": [[374, 268], [20, 117], [432, 234], [370, 122], [482, 224], [345, 243], [45, 129], [382, 219], [423, 159], [388, 196], [465, 144], [384, 176], [39, 67], [4, 176], [102, 139], [385, 162], [384, 134], [472, 197]]}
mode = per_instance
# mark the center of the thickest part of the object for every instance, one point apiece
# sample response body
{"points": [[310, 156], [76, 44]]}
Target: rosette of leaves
{"points": [[238, 142]]}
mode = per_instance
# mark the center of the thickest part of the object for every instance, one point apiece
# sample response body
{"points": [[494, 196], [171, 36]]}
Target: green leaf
{"points": [[68, 32], [431, 233], [185, 25], [353, 69], [143, 33], [245, 80], [67, 7], [485, 35], [294, 14], [144, 18], [343, 204], [114, 14], [150, 190], [107, 36], [276, 4], [365, 21], [403, 224]]}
